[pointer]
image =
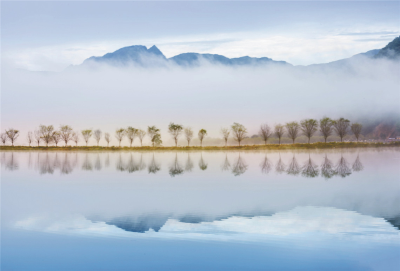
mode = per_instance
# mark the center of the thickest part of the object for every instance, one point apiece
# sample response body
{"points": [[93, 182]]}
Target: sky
{"points": [[49, 36]]}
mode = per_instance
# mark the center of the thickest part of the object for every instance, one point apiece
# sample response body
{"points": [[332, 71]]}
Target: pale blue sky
{"points": [[53, 35]]}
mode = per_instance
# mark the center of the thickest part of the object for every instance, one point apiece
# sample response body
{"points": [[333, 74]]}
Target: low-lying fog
{"points": [[208, 97]]}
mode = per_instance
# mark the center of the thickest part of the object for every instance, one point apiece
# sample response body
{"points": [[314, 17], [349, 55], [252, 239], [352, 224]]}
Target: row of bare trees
{"points": [[307, 127]]}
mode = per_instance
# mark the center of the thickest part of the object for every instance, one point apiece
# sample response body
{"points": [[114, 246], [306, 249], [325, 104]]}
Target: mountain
{"points": [[391, 51], [195, 59], [141, 56], [136, 54]]}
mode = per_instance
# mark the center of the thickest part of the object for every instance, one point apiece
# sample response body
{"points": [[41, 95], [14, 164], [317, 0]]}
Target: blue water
{"points": [[318, 210]]}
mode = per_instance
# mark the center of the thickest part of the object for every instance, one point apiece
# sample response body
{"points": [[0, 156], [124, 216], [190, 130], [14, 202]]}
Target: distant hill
{"points": [[391, 51]]}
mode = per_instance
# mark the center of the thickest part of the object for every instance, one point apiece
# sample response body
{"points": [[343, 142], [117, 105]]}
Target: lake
{"points": [[247, 210]]}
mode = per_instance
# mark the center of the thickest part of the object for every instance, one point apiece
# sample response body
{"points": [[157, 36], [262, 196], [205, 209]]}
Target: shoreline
{"points": [[297, 146]]}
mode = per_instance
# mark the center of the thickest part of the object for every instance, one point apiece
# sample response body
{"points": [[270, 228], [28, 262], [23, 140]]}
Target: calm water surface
{"points": [[318, 210]]}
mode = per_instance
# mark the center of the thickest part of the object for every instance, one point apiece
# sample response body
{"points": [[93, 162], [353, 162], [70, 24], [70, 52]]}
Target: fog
{"points": [[208, 96]]}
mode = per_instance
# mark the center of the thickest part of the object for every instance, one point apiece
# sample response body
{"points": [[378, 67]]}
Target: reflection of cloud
{"points": [[312, 221]]}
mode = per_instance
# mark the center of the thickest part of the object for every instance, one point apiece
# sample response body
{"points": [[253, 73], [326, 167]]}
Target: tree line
{"points": [[307, 127]]}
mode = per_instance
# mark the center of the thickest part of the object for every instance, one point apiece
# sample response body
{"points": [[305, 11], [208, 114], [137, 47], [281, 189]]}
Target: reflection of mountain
{"points": [[155, 222], [139, 224], [315, 222], [395, 221]]}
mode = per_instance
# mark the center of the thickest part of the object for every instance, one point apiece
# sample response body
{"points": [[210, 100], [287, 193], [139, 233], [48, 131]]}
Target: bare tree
{"points": [[154, 133], [188, 134], [12, 135], [37, 136], [293, 130], [279, 131], [56, 137], [120, 134], [175, 130], [97, 135], [239, 132], [309, 127], [356, 129], [202, 133], [46, 133], [325, 126], [87, 134], [75, 138], [341, 126], [131, 133], [3, 138], [29, 138], [107, 138], [141, 134], [265, 132], [225, 134], [66, 133]]}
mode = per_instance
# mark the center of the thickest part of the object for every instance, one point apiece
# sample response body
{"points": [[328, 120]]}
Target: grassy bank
{"points": [[318, 145]]}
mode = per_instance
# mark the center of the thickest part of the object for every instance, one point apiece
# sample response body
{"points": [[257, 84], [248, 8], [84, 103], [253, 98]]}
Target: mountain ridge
{"points": [[142, 56]]}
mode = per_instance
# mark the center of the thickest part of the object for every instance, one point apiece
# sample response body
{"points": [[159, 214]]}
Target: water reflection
{"points": [[66, 163], [293, 168], [266, 165], [175, 168], [310, 169], [226, 165], [153, 166], [327, 169], [202, 165], [342, 168], [239, 167]]}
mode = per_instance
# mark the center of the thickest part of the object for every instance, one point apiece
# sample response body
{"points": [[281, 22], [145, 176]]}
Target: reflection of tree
{"points": [[107, 162], [11, 163], [226, 165], [202, 164], [153, 166], [342, 168], [45, 165], [327, 170], [87, 164], [280, 166], [134, 166], [66, 166], [310, 170], [97, 164], [293, 168], [357, 165], [189, 164], [266, 165], [239, 167], [120, 164], [175, 168]]}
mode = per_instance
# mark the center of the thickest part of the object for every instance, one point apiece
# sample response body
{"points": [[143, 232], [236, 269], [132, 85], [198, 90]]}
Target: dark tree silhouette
{"points": [[325, 127]]}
